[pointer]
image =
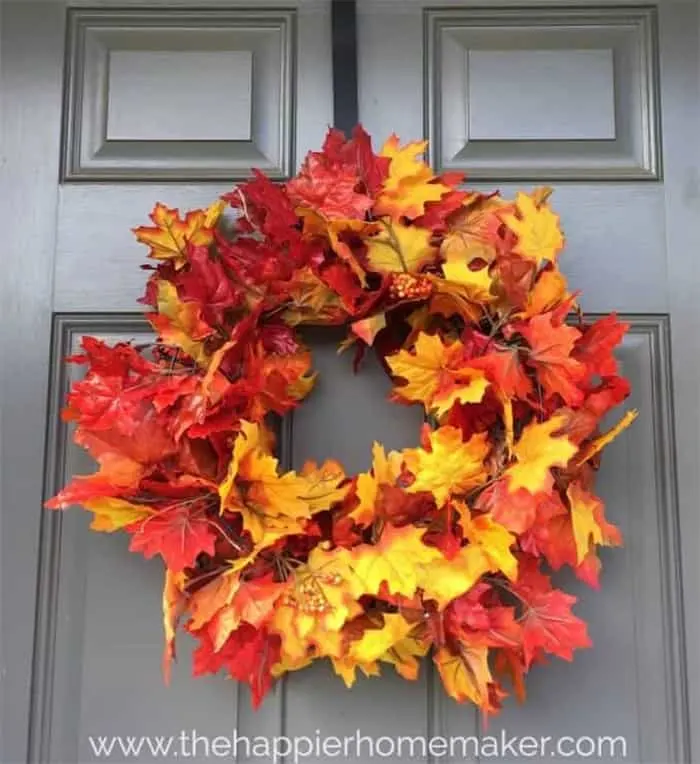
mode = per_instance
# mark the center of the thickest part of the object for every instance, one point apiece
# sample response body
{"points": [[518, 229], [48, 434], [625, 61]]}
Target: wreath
{"points": [[447, 547]]}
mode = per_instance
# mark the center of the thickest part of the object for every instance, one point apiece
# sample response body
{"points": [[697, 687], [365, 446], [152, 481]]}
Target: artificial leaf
{"points": [[537, 228], [399, 248], [599, 443], [536, 452], [465, 673], [410, 183], [551, 354], [436, 374], [179, 533], [450, 466], [399, 559], [180, 324], [170, 236], [111, 514]]}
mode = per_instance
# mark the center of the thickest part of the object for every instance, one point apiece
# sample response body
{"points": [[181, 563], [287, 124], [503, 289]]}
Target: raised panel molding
{"points": [[179, 95], [543, 94], [652, 575]]}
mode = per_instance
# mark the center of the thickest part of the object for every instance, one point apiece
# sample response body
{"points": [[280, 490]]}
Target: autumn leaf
{"points": [[471, 233], [399, 248], [599, 443], [179, 533], [173, 602], [550, 626], [537, 228], [548, 293], [451, 578], [111, 514], [180, 323], [375, 642], [399, 558], [436, 374], [491, 539], [465, 673], [451, 466], [169, 237], [588, 520], [410, 183], [253, 487], [322, 598], [385, 470], [368, 328], [536, 452], [551, 354]]}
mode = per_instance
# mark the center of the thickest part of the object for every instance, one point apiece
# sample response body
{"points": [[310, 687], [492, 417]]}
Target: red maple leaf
{"points": [[178, 533], [595, 347], [548, 624], [551, 355], [248, 655]]}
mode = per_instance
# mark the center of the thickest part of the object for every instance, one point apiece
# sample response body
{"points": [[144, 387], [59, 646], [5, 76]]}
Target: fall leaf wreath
{"points": [[445, 548]]}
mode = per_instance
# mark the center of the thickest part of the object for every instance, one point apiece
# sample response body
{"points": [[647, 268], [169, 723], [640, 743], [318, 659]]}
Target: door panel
{"points": [[620, 245], [626, 185]]}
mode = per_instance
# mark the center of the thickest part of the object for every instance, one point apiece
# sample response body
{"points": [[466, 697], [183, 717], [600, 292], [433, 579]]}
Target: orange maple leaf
{"points": [[436, 374], [169, 237], [410, 183]]}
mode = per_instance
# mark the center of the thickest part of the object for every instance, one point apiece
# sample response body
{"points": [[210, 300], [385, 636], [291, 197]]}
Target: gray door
{"points": [[600, 102]]}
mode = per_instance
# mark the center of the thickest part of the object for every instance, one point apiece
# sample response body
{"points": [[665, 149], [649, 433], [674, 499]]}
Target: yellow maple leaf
{"points": [[398, 559], [346, 668], [588, 522], [491, 540], [410, 182], [405, 655], [474, 283], [322, 598], [322, 484], [180, 324], [599, 443], [374, 643], [400, 248], [169, 237], [465, 674], [267, 501], [435, 374], [451, 466], [549, 291], [385, 471], [111, 514], [536, 453], [173, 602], [448, 579], [537, 228]]}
